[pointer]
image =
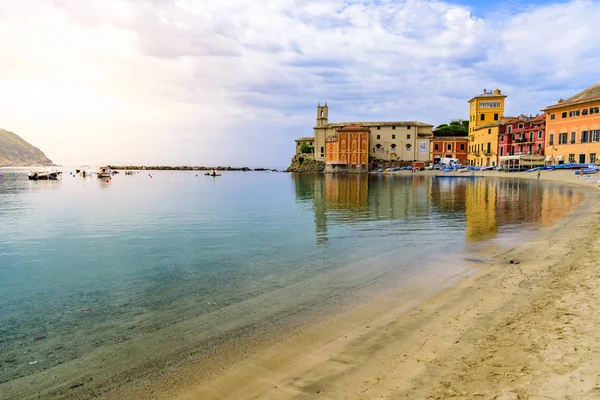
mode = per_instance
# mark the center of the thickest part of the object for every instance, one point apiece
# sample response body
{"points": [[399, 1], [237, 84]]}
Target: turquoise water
{"points": [[174, 263]]}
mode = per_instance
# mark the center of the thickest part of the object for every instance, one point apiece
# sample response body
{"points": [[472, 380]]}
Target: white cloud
{"points": [[235, 81]]}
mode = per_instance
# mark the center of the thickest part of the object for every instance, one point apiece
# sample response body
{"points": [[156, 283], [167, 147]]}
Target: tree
{"points": [[457, 127], [306, 148]]}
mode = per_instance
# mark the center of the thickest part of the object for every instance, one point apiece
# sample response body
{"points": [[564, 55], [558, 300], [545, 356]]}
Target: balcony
{"points": [[487, 152]]}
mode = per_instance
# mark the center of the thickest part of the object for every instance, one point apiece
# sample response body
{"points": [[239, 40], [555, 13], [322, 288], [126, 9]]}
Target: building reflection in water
{"points": [[482, 206]]}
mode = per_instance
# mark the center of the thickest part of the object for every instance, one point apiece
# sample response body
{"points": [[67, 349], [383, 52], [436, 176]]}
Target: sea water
{"points": [[129, 274]]}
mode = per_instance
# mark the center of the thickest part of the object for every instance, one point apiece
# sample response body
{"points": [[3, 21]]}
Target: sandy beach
{"points": [[519, 326]]}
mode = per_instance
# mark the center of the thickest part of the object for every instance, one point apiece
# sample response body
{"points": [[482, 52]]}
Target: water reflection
{"points": [[481, 206]]}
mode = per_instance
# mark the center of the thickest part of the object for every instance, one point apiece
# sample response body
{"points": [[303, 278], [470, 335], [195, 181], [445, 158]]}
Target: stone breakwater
{"points": [[185, 168]]}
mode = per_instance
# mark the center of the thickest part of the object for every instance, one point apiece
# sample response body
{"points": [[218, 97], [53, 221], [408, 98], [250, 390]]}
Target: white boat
{"points": [[104, 172], [85, 170]]}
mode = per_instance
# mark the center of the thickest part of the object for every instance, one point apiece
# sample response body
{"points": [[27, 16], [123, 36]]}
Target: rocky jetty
{"points": [[184, 168], [16, 152]]}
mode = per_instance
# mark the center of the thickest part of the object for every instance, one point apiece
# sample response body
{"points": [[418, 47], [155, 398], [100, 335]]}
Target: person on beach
{"points": [[581, 172], [538, 175]]}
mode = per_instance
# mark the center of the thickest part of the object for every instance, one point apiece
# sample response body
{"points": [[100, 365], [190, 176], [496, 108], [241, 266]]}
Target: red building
{"points": [[348, 149], [450, 147], [522, 135]]}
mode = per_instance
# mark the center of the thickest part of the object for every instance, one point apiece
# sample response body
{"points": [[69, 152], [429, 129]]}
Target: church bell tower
{"points": [[322, 115]]}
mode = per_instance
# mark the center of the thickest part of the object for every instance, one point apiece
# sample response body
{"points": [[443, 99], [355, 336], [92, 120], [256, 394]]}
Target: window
{"points": [[593, 110], [531, 136], [408, 127], [562, 138], [408, 136], [509, 129], [552, 116], [521, 126], [408, 146], [482, 117], [393, 127], [489, 104], [574, 113], [496, 117], [551, 139], [393, 146], [584, 111], [584, 136], [489, 130], [594, 135], [378, 128], [571, 158], [393, 136], [462, 146], [378, 136], [501, 151], [573, 137], [593, 158], [322, 151], [502, 138], [564, 115], [449, 147], [435, 147], [540, 134]]}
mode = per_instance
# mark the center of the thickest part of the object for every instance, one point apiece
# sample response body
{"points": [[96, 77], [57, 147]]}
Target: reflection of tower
{"points": [[320, 209], [322, 115], [480, 204]]}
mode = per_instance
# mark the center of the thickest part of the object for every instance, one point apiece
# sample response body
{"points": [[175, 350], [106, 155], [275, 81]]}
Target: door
{"points": [[582, 159]]}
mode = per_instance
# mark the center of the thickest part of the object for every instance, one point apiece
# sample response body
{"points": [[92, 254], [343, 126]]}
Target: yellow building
{"points": [[389, 141], [573, 128], [485, 112]]}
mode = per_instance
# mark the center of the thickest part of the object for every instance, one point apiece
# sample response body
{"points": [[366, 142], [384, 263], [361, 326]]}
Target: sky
{"points": [[234, 82]]}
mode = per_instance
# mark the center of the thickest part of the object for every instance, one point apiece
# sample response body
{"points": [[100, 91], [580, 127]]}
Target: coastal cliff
{"points": [[306, 165], [16, 152]]}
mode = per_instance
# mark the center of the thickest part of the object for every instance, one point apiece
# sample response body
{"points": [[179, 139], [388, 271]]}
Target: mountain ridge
{"points": [[17, 152]]}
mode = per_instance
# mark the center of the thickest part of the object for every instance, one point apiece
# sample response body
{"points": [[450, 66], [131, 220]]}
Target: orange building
{"points": [[450, 147], [348, 150], [573, 128]]}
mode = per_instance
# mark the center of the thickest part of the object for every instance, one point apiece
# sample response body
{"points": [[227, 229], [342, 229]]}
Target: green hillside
{"points": [[14, 151]]}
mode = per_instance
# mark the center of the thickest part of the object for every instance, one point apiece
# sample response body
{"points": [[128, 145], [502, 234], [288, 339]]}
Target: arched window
{"points": [[378, 147], [408, 146], [393, 146]]}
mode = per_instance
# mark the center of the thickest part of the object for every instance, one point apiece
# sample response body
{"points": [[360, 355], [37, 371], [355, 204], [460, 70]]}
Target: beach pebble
{"points": [[33, 362], [515, 262]]}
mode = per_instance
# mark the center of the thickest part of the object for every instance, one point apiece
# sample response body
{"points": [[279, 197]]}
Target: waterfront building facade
{"points": [[485, 112], [388, 141], [522, 135], [308, 140], [573, 128], [449, 147], [347, 150]]}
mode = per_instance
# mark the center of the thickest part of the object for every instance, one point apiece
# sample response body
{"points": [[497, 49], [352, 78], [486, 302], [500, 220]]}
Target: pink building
{"points": [[522, 135]]}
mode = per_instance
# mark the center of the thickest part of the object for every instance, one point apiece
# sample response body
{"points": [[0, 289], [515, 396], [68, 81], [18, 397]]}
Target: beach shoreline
{"points": [[501, 331]]}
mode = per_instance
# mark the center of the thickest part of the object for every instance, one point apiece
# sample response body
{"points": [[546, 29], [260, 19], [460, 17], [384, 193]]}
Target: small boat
{"points": [[44, 174], [85, 170], [128, 172], [211, 174], [104, 172], [586, 171]]}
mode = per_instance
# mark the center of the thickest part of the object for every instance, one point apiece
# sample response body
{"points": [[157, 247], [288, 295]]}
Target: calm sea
{"points": [[169, 264]]}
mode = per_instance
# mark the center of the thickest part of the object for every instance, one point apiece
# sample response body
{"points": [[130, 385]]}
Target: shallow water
{"points": [[172, 263]]}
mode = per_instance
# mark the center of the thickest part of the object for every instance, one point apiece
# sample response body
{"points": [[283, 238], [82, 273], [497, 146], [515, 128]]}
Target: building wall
{"points": [[485, 112], [348, 148], [483, 146], [299, 143], [576, 125], [450, 147], [522, 137]]}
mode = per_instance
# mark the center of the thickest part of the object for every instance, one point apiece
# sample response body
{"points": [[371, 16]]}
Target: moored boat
{"points": [[104, 172]]}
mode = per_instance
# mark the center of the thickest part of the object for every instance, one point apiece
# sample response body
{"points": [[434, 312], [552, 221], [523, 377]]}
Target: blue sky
{"points": [[234, 82]]}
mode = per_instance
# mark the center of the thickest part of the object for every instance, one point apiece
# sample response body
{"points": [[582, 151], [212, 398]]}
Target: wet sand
{"points": [[507, 330]]}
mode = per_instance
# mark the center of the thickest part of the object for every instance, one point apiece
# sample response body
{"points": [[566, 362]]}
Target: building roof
{"points": [[489, 94], [368, 124], [306, 139], [450, 138], [590, 94], [353, 128]]}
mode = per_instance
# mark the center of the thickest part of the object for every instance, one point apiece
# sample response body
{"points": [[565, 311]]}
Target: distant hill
{"points": [[15, 152]]}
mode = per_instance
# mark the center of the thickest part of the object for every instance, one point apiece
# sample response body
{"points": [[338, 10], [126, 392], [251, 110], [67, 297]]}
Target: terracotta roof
{"points": [[353, 128], [374, 124], [306, 139], [590, 94]]}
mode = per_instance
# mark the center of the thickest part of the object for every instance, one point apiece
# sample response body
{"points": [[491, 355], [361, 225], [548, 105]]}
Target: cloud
{"points": [[235, 81]]}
